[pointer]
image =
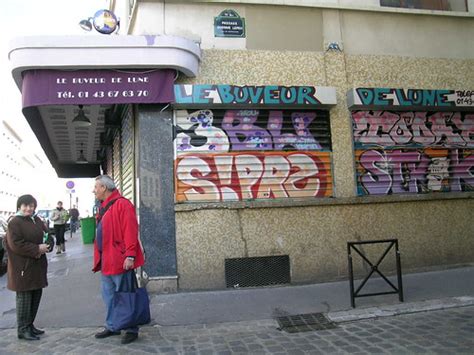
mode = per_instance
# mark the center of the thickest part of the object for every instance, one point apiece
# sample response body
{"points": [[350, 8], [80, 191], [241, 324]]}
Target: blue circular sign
{"points": [[70, 184], [105, 22]]}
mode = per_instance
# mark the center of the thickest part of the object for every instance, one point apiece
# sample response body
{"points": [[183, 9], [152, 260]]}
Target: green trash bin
{"points": [[88, 230]]}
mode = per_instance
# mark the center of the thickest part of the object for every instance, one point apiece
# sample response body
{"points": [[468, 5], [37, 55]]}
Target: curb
{"points": [[402, 308]]}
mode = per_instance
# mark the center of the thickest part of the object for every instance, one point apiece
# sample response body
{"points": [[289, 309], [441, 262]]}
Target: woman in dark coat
{"points": [[27, 244]]}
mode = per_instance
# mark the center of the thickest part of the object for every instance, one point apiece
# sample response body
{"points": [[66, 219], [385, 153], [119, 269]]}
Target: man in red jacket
{"points": [[117, 249]]}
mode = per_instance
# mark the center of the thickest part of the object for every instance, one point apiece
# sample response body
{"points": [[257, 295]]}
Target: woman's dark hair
{"points": [[25, 200]]}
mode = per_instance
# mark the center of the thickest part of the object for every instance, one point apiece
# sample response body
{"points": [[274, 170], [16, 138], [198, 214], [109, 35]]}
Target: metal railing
{"points": [[374, 268]]}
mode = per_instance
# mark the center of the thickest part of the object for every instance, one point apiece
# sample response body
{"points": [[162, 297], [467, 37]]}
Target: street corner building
{"points": [[257, 138]]}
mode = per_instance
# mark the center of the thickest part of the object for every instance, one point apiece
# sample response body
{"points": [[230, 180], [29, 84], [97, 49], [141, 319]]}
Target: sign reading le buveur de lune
{"points": [[229, 24]]}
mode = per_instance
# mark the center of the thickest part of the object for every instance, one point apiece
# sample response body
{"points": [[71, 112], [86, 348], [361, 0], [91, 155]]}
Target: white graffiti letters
{"points": [[249, 176]]}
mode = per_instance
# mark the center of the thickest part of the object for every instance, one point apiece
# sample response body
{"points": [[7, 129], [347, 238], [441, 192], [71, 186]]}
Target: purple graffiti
{"points": [[414, 171], [386, 129], [462, 171], [302, 140], [244, 134]]}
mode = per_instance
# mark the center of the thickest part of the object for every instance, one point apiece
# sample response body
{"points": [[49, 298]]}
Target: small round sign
{"points": [[105, 22], [70, 184]]}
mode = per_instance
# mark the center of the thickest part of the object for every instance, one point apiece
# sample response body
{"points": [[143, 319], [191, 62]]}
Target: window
{"points": [[442, 5]]}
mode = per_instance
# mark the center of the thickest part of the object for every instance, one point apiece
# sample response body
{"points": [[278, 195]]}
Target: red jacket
{"points": [[119, 237]]}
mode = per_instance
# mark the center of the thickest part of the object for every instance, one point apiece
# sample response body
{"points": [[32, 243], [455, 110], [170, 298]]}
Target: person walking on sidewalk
{"points": [[74, 213], [117, 250], [60, 216], [27, 244]]}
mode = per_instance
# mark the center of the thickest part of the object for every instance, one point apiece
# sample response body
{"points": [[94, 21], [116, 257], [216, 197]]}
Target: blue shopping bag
{"points": [[130, 304]]}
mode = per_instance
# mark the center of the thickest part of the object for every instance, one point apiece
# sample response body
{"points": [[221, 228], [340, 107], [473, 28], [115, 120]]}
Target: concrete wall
{"points": [[380, 49], [387, 31], [407, 35], [430, 233]]}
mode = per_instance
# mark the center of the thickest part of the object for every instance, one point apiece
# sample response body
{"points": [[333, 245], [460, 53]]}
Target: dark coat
{"points": [[27, 268]]}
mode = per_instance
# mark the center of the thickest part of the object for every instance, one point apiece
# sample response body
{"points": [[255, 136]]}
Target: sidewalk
{"points": [[239, 320], [73, 298], [442, 289]]}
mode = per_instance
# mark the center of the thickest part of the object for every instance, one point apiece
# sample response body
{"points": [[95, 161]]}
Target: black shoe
{"points": [[105, 334], [129, 337], [27, 335], [36, 331]]}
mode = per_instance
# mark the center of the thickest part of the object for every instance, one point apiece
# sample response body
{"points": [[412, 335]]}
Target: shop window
{"points": [[250, 154], [413, 152], [442, 5]]}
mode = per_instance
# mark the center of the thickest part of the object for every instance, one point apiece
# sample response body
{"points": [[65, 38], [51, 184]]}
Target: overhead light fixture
{"points": [[82, 159], [104, 21], [81, 120]]}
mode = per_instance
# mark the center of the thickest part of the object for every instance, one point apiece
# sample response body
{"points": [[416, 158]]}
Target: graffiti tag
{"points": [[415, 171], [387, 129], [244, 130], [253, 175]]}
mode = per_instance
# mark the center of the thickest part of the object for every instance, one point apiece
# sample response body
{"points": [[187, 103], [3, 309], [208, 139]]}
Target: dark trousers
{"points": [[27, 304], [59, 230]]}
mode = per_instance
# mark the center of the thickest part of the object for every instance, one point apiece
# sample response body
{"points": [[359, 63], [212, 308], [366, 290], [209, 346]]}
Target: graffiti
{"points": [[198, 134], [416, 129], [254, 95], [252, 175], [401, 97], [414, 99], [244, 130], [415, 171]]}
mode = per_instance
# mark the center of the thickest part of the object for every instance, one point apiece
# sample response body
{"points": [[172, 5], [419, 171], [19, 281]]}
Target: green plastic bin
{"points": [[88, 230]]}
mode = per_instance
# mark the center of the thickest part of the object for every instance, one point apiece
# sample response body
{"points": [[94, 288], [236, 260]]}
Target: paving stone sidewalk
{"points": [[448, 331]]}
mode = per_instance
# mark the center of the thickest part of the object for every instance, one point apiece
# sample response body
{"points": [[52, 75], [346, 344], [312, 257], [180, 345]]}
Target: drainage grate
{"points": [[305, 323], [257, 271]]}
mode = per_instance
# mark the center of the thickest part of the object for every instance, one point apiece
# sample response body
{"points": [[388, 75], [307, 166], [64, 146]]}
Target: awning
{"points": [[97, 87], [51, 100], [56, 74]]}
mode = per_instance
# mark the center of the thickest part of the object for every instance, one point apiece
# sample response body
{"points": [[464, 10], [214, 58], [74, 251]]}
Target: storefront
{"points": [[282, 173], [412, 141], [244, 143]]}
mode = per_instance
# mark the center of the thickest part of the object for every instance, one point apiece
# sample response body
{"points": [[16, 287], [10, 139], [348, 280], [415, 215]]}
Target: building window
{"points": [[442, 5]]}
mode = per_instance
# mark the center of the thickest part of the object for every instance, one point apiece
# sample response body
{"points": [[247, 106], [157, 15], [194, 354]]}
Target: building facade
{"points": [[289, 128], [23, 171]]}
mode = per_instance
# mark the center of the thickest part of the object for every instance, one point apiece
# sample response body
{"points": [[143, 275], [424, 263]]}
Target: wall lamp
{"points": [[81, 120], [103, 21]]}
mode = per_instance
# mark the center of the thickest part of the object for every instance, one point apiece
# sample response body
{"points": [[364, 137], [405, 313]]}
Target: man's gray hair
{"points": [[106, 181]]}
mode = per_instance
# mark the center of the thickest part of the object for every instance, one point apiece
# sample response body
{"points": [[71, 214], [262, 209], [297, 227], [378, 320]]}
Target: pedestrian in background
{"points": [[27, 244], [117, 250], [74, 213], [60, 216]]}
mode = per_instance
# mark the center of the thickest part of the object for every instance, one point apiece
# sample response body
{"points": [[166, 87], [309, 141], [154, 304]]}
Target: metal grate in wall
{"points": [[257, 271]]}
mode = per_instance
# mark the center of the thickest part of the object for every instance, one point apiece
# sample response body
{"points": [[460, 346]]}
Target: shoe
{"points": [[105, 334], [58, 252], [27, 335], [129, 337], [36, 331]]}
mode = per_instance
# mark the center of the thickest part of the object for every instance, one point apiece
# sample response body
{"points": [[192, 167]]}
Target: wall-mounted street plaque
{"points": [[229, 24]]}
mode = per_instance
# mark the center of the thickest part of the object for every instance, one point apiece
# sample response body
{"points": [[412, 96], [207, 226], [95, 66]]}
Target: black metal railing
{"points": [[374, 268]]}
